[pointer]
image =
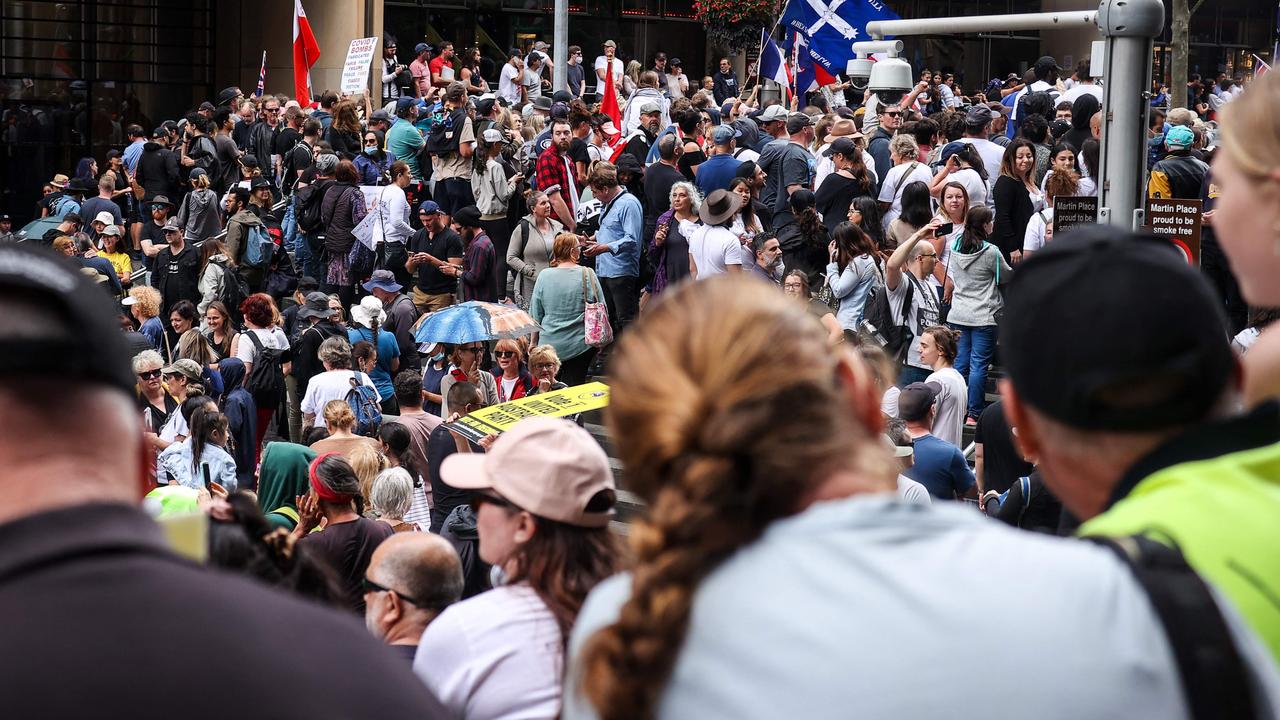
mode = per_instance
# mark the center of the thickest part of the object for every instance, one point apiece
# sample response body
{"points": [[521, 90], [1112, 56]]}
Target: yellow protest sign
{"points": [[497, 419]]}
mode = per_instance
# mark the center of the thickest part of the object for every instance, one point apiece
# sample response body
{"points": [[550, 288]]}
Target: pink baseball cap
{"points": [[547, 466]]}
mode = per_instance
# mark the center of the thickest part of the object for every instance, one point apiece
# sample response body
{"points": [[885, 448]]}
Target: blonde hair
{"points": [[544, 354], [1250, 131], [337, 414], [904, 146], [699, 383], [367, 463], [147, 300], [509, 344], [193, 345], [201, 181]]}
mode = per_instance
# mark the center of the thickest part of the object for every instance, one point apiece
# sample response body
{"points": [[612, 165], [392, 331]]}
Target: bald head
{"points": [[421, 566]]}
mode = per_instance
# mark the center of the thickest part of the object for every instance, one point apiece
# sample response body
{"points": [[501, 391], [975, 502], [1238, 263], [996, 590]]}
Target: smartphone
{"points": [[944, 229], [208, 481]]}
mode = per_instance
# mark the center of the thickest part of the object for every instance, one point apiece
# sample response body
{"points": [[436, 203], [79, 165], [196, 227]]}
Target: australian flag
{"points": [[833, 26]]}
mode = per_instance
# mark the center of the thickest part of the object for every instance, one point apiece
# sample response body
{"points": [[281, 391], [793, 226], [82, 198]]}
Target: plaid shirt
{"points": [[553, 169]]}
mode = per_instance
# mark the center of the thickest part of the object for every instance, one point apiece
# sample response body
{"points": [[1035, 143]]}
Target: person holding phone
{"points": [[911, 298], [202, 459]]}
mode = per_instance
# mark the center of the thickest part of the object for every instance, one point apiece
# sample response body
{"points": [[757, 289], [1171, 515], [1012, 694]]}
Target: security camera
{"points": [[858, 71], [891, 79]]}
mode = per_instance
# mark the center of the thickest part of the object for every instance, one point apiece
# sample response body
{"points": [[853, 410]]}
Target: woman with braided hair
{"points": [[347, 541], [777, 576]]}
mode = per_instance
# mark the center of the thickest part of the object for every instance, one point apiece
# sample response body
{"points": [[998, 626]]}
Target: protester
{"points": [[368, 319], [62, 528], [543, 497], [977, 269], [938, 348], [529, 251], [1016, 198], [411, 579], [464, 366], [852, 274], [435, 256], [631, 655]]}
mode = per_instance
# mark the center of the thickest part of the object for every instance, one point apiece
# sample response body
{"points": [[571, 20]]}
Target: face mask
{"points": [[497, 576], [371, 151]]}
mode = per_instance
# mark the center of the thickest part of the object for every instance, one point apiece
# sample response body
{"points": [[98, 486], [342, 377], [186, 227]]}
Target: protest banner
{"points": [[355, 71], [497, 419]]}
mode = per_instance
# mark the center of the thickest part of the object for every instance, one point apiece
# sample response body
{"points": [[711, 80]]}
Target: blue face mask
{"points": [[371, 151]]}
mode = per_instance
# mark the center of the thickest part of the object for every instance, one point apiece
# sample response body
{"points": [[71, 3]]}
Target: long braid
{"points": [[732, 414]]}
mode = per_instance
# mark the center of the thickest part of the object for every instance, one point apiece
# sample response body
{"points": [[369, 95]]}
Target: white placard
{"points": [[355, 71]]}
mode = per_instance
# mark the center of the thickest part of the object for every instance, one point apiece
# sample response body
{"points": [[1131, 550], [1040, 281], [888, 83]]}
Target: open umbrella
{"points": [[473, 320]]}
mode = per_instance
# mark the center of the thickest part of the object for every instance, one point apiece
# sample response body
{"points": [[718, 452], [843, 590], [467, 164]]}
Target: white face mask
{"points": [[497, 576]]}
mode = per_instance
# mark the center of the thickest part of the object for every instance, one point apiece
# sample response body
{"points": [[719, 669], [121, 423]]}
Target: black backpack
{"points": [[267, 376], [878, 326], [234, 291], [310, 200], [445, 132]]}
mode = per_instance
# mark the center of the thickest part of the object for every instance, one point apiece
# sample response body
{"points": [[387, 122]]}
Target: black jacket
{"points": [[64, 572], [1013, 212], [335, 213], [158, 172], [1178, 175], [262, 143], [177, 278], [306, 347]]}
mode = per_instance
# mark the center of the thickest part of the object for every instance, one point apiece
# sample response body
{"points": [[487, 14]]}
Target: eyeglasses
{"points": [[545, 366], [503, 353], [149, 375], [793, 286], [928, 255], [370, 586]]}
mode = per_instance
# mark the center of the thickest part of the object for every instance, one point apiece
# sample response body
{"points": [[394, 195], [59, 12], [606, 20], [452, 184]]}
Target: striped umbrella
{"points": [[473, 320]]}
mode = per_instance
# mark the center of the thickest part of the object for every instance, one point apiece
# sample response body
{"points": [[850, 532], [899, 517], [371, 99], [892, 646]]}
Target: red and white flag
{"points": [[1260, 66], [609, 105], [306, 51]]}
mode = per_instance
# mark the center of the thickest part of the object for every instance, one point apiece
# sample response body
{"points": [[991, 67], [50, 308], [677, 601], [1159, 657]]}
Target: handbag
{"points": [[595, 317]]}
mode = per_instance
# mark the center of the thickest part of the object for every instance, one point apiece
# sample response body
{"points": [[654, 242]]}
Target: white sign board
{"points": [[355, 72]]}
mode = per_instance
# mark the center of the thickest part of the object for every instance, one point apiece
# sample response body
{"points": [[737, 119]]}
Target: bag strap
{"points": [[1024, 484], [253, 338], [1214, 676], [903, 177], [592, 299]]}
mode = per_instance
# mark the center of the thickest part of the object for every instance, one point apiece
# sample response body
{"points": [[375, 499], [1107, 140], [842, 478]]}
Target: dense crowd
{"points": [[891, 414]]}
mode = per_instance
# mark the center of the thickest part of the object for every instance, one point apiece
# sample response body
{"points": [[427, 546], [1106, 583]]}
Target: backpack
{"points": [[234, 291], [310, 199], [363, 401], [66, 204], [444, 134], [266, 377], [207, 149], [878, 325], [258, 246]]}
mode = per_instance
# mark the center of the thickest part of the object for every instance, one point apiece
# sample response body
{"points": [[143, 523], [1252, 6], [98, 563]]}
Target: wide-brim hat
{"points": [[719, 206], [368, 313], [159, 200], [316, 306], [382, 280], [843, 127]]}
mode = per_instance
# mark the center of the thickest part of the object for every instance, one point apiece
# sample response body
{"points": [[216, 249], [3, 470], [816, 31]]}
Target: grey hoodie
{"points": [[976, 299], [200, 216]]}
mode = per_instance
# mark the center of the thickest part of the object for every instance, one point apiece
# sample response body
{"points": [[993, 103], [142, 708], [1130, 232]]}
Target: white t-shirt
{"points": [[1245, 340], [1037, 86], [973, 184], [1080, 90], [509, 84], [496, 655], [894, 182], [952, 404], [924, 312], [912, 492], [991, 153], [273, 338], [713, 248], [617, 72], [1086, 188], [889, 401], [1034, 238], [330, 385]]}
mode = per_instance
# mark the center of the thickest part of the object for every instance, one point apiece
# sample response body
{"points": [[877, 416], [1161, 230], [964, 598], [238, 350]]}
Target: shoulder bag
{"points": [[595, 315]]}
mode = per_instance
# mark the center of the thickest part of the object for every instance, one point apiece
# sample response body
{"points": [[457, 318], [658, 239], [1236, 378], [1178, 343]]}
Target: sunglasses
{"points": [[369, 586], [468, 349], [927, 255], [149, 375], [892, 114], [273, 111], [503, 353]]}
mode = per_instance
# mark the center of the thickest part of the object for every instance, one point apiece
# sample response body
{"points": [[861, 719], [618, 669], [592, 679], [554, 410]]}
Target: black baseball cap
{"points": [[87, 345], [1111, 330], [915, 400]]}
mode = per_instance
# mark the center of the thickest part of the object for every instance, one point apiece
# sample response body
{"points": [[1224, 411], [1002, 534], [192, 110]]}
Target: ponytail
{"points": [[204, 423]]}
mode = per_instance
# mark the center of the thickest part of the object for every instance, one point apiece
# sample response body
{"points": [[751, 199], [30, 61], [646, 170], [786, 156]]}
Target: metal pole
{"points": [[1130, 27], [560, 46], [878, 29]]}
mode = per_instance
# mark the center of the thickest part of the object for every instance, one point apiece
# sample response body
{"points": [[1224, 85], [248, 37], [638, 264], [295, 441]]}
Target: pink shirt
{"points": [[421, 76]]}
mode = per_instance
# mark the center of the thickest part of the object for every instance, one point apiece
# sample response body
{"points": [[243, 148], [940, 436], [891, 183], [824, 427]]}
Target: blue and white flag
{"points": [[809, 75], [773, 64], [833, 26]]}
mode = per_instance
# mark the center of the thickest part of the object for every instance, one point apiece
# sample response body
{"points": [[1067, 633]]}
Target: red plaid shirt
{"points": [[553, 169]]}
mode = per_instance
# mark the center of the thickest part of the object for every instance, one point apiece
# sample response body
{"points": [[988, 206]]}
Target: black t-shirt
{"points": [[285, 140], [444, 497], [834, 197], [578, 151], [689, 160], [1001, 463], [1038, 511], [346, 548], [444, 245], [658, 179]]}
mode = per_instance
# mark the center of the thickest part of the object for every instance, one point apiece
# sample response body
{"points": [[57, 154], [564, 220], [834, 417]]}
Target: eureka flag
{"points": [[833, 26]]}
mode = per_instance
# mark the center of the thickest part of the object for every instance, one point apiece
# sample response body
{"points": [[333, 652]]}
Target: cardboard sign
{"points": [[355, 72], [1178, 221], [497, 419], [1068, 212]]}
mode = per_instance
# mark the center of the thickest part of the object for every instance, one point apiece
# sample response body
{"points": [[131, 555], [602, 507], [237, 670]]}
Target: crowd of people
{"points": [[233, 331]]}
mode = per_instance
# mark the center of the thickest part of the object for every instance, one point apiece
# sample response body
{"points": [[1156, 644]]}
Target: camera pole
{"points": [[1129, 28]]}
